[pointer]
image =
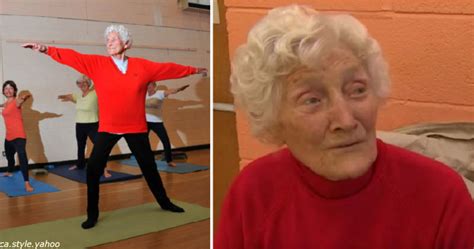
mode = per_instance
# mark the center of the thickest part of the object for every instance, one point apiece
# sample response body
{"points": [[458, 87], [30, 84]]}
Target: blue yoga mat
{"points": [[80, 175], [15, 186], [181, 168]]}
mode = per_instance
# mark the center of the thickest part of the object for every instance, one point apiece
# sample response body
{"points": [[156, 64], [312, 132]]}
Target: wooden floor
{"points": [[71, 202]]}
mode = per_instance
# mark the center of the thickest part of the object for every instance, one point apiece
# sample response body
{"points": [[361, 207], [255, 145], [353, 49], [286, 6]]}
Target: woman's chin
{"points": [[349, 166]]}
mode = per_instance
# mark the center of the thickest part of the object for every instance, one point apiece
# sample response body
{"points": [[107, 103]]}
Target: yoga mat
{"points": [[112, 226], [15, 186], [181, 168], [80, 175]]}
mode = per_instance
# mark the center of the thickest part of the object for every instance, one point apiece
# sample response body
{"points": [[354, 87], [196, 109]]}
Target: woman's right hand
{"points": [[65, 97], [36, 47]]}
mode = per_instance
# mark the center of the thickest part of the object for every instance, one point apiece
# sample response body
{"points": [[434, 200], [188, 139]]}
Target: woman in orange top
{"points": [[15, 139]]}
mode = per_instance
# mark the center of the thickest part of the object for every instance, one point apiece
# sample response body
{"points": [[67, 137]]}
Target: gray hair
{"points": [[84, 78], [123, 33], [285, 40]]}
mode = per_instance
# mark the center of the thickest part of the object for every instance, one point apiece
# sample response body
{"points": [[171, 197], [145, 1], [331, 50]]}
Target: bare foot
{"points": [[73, 167], [7, 174], [28, 187], [107, 174], [171, 164]]}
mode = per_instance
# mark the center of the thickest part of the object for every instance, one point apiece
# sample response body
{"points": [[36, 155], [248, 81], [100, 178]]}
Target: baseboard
{"points": [[113, 157]]}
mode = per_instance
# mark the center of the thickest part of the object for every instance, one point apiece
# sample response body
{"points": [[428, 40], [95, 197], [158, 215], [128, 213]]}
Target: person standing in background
{"points": [[15, 138], [87, 118], [154, 103]]}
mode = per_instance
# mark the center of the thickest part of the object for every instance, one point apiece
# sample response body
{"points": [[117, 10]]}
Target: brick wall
{"points": [[429, 45]]}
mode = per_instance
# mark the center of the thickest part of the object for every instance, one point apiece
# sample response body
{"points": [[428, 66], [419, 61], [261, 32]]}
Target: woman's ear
{"points": [[127, 45]]}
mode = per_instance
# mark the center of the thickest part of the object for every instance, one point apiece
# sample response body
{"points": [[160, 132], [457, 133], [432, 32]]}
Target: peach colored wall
{"points": [[429, 45]]}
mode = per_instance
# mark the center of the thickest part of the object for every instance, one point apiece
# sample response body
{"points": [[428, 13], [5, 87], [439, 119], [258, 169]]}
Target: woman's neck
{"points": [[120, 56], [84, 93]]}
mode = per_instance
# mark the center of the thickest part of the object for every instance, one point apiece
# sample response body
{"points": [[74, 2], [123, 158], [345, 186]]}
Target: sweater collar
{"points": [[329, 189], [122, 65]]}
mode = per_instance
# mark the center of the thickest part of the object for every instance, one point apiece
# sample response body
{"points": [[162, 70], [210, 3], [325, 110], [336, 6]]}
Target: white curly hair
{"points": [[289, 38], [123, 33], [84, 78]]}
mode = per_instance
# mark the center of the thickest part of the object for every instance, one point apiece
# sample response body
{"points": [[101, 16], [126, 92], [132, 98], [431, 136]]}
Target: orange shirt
{"points": [[13, 121]]}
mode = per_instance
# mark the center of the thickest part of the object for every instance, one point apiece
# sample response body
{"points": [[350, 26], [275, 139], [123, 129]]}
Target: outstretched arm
{"points": [[166, 71], [22, 100], [83, 63], [175, 90], [67, 97]]}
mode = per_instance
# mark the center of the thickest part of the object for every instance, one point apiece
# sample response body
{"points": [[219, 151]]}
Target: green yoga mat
{"points": [[112, 226]]}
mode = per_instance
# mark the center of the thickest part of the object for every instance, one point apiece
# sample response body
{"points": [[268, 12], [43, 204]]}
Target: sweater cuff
{"points": [[50, 50]]}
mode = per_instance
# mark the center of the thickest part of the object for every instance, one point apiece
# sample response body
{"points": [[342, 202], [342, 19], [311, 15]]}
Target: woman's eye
{"points": [[311, 101], [358, 91]]}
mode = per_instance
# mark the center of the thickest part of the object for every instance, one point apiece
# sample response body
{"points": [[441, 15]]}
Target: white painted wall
{"points": [[161, 32]]}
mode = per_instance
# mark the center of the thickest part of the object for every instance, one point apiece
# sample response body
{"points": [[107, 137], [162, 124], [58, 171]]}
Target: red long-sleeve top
{"points": [[121, 97], [406, 201]]}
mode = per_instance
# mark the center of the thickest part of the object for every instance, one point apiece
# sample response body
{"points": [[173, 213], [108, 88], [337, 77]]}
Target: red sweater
{"points": [[406, 201], [121, 97]]}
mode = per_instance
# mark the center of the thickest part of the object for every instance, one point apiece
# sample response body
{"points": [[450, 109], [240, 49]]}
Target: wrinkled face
{"points": [[9, 91], [83, 85], [115, 46], [328, 117]]}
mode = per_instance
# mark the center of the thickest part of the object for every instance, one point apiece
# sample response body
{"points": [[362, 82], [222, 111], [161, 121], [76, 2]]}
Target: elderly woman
{"points": [[121, 84], [87, 118], [15, 139], [314, 82]]}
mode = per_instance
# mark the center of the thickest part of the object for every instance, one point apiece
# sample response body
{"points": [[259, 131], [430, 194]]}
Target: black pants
{"points": [[84, 130], [139, 144], [17, 145], [160, 130]]}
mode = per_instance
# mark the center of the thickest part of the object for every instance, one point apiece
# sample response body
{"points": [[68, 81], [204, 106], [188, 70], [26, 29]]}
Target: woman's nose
{"points": [[342, 116]]}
